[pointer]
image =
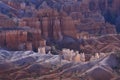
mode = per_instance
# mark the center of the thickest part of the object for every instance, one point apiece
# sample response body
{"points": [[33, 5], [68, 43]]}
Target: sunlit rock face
{"points": [[21, 65], [19, 39], [56, 20], [83, 30]]}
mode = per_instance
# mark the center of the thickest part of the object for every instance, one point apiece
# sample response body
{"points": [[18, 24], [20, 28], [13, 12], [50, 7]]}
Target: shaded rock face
{"points": [[55, 19], [53, 24], [67, 7], [109, 9], [69, 43], [92, 45], [72, 23], [6, 22], [104, 44], [118, 24], [55, 28], [21, 65], [100, 74]]}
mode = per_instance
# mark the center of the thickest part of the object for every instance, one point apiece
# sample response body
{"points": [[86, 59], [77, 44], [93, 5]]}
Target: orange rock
{"points": [[42, 42], [45, 25], [68, 27], [2, 39], [29, 46], [56, 29]]}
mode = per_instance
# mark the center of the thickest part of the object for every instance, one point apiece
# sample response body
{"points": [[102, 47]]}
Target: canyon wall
{"points": [[20, 39], [57, 19]]}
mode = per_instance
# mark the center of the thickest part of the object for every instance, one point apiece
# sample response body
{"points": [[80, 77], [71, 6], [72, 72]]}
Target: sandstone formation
{"points": [[106, 43], [28, 65], [81, 32], [56, 19], [6, 22], [21, 39]]}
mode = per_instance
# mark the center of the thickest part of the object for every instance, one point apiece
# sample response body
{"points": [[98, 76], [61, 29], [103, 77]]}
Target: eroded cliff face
{"points": [[19, 39], [82, 26], [103, 44], [20, 65], [54, 20]]}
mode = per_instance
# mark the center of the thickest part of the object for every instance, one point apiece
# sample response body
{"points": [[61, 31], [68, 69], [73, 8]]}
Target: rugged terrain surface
{"points": [[55, 21], [28, 65], [100, 65], [106, 43], [84, 25]]}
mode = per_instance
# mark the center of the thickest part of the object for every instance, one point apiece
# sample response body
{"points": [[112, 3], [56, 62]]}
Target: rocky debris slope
{"points": [[106, 43], [20, 65]]}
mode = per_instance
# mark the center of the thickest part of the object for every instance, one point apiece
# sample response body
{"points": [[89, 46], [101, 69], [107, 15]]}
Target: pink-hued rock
{"points": [[107, 43], [21, 65]]}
